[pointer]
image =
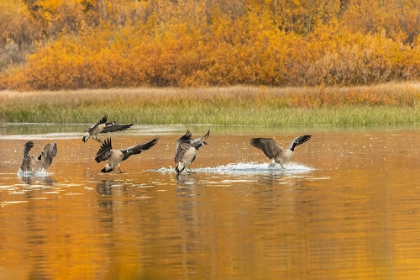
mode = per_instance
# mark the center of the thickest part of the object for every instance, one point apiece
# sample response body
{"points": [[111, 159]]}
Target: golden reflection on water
{"points": [[353, 214]]}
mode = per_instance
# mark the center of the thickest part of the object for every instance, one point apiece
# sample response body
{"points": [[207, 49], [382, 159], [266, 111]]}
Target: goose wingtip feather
{"points": [[273, 151]]}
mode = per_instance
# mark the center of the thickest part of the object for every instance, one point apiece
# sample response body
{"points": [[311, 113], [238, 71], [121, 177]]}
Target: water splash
{"points": [[41, 173], [249, 167], [257, 168]]}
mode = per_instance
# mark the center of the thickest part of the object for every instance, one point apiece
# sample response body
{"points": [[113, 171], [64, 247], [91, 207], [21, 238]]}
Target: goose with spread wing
{"points": [[38, 163], [186, 151], [273, 151], [115, 157], [103, 127]]}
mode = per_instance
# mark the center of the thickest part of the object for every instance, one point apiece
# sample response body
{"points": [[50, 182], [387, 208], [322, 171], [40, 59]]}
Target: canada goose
{"points": [[186, 151], [115, 157], [38, 163], [103, 127], [273, 151]]}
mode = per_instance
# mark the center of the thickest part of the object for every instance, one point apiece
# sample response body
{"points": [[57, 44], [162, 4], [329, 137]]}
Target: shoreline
{"points": [[383, 104]]}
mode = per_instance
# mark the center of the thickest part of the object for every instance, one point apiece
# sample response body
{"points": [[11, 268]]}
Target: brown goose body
{"points": [[115, 157], [38, 163], [273, 151], [102, 126], [186, 151]]}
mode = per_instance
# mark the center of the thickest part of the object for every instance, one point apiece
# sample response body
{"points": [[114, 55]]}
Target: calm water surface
{"points": [[346, 207]]}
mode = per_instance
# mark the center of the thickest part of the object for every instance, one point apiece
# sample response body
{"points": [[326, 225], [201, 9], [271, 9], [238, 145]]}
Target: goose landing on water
{"points": [[38, 163], [186, 151], [273, 151], [104, 127], [115, 157]]}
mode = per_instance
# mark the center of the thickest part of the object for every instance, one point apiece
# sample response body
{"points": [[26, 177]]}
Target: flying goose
{"points": [[186, 151], [115, 157], [273, 151], [38, 163], [103, 127]]}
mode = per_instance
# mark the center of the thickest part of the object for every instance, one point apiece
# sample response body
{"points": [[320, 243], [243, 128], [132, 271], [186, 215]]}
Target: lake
{"points": [[347, 206]]}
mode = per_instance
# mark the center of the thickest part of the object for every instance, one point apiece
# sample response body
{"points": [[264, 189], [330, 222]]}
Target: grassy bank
{"points": [[260, 106]]}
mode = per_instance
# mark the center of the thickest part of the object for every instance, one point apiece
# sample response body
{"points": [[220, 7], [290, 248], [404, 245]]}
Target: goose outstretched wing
{"points": [[49, 152], [299, 140], [201, 140], [137, 149], [115, 127], [270, 147], [27, 148], [101, 121], [26, 158], [182, 144], [104, 151]]}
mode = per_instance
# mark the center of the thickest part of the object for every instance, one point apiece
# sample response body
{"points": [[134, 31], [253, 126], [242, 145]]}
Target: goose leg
{"points": [[189, 171], [180, 167]]}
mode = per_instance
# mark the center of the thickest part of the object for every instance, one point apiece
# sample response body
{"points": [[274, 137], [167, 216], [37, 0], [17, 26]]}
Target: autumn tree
{"points": [[109, 43]]}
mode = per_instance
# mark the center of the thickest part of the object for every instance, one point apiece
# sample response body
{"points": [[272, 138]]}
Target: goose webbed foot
{"points": [[121, 172], [274, 164], [189, 171]]}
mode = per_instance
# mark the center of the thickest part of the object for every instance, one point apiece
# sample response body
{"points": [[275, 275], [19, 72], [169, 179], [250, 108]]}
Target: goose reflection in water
{"points": [[187, 186], [45, 181], [105, 187]]}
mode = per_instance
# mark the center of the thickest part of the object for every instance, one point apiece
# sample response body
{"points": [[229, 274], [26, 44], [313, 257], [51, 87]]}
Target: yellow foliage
{"points": [[334, 97], [108, 43]]}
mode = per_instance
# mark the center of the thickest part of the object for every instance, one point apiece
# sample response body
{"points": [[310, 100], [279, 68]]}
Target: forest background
{"points": [[73, 44]]}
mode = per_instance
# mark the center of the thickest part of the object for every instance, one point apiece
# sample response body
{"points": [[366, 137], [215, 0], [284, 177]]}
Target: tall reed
{"points": [[256, 106]]}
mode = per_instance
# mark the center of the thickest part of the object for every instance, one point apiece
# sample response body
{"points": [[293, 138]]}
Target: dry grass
{"points": [[388, 103]]}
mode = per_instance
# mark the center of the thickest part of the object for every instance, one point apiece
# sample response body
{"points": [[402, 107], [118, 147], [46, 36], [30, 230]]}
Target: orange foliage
{"points": [[109, 43], [333, 97]]}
